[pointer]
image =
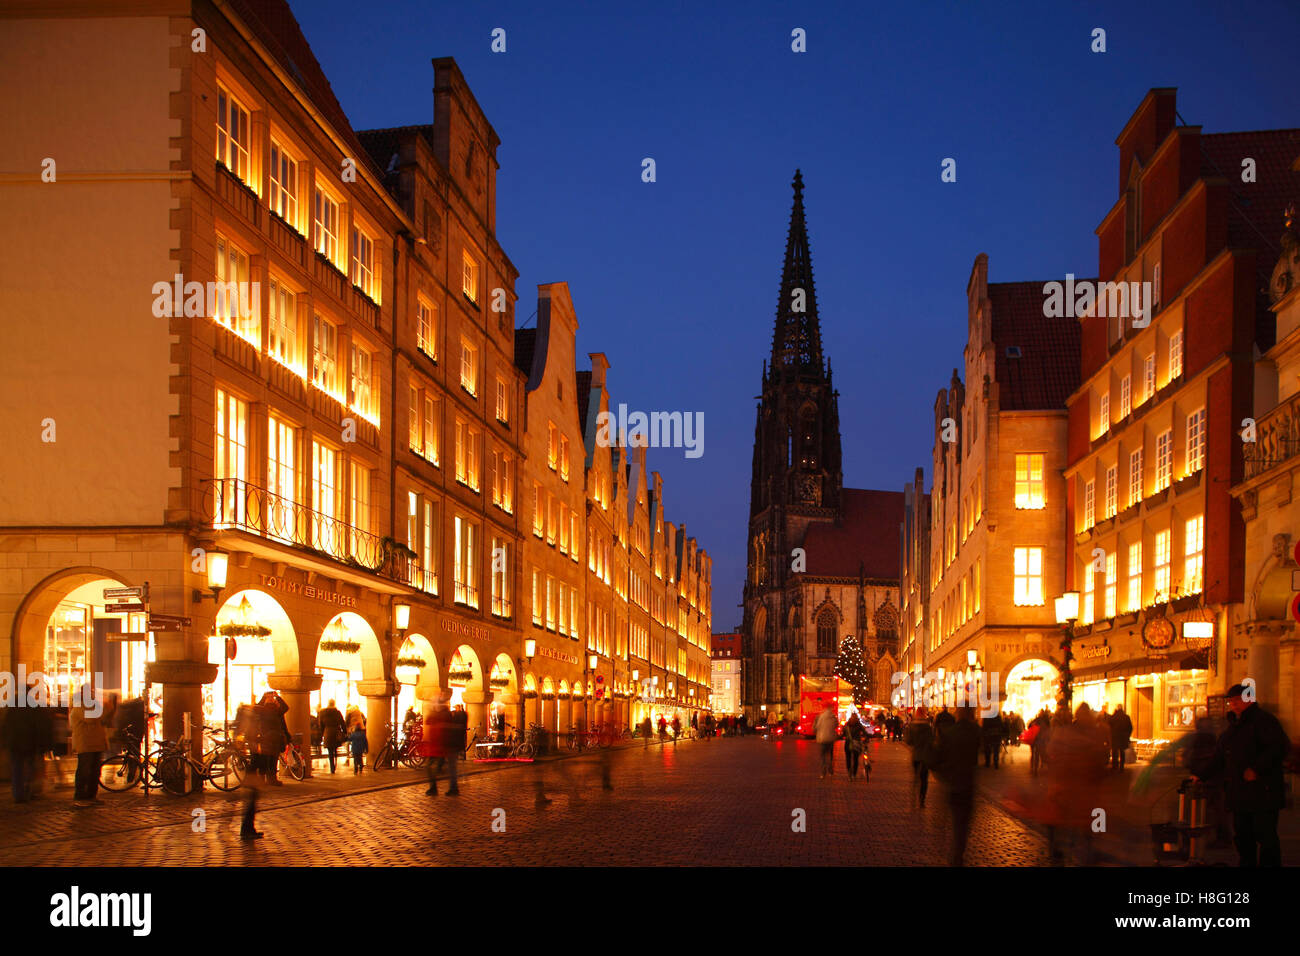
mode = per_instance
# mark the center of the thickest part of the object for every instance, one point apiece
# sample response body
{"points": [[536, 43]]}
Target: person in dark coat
{"points": [[459, 731], [993, 731], [942, 721], [1121, 735], [128, 722], [920, 737], [434, 745], [27, 734], [1043, 737], [1248, 759], [359, 746], [956, 758], [333, 732], [854, 735], [276, 734], [259, 725]]}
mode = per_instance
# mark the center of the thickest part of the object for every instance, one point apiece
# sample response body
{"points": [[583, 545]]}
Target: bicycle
{"points": [[226, 766], [125, 769], [292, 762], [407, 752], [529, 746]]}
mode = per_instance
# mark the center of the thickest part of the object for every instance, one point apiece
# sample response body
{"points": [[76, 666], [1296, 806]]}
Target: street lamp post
{"points": [[1067, 612]]}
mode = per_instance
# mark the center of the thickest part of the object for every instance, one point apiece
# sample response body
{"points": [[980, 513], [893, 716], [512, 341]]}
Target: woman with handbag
{"points": [[853, 736]]}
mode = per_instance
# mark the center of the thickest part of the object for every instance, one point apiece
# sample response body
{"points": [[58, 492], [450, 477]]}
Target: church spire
{"points": [[797, 339]]}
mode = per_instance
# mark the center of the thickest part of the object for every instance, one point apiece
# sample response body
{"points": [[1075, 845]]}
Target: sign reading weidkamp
{"points": [[271, 582]]}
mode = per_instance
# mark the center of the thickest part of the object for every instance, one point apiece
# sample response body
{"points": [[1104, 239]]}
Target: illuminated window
{"points": [[1164, 459], [1135, 477], [1125, 396], [469, 277], [552, 446], [232, 134], [1195, 441], [573, 535], [1029, 481], [1089, 504], [1089, 584], [237, 307], [503, 402], [552, 511], [325, 500], [564, 529], [539, 511], [564, 457], [284, 185], [1028, 576], [325, 226], [1112, 583], [421, 537], [281, 478], [467, 458], [1112, 490], [1103, 414], [1176, 355], [365, 384], [362, 274], [283, 327], [976, 587], [231, 465], [465, 572], [501, 605], [1135, 576], [469, 368], [360, 510], [538, 598], [1193, 551], [433, 429], [1162, 566], [552, 603], [426, 337], [324, 356], [1149, 376]]}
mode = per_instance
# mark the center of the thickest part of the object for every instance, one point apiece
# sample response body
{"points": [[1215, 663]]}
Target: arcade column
{"points": [[476, 701], [182, 685], [379, 696]]}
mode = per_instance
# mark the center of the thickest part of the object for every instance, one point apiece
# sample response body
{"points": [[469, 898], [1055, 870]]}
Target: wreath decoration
{"points": [[244, 630], [343, 646]]}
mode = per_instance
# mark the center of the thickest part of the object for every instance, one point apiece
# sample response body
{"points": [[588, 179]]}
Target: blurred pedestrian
{"points": [[27, 734], [1040, 735], [677, 728], [434, 744], [89, 741], [646, 732], [456, 743], [277, 735], [358, 746], [920, 738], [854, 733], [956, 759], [942, 721], [1121, 736], [992, 732], [259, 726], [333, 732], [825, 733], [1075, 765], [1248, 759], [663, 728]]}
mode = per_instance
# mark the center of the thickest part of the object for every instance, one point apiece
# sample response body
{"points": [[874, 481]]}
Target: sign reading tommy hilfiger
{"points": [[306, 590], [473, 631]]}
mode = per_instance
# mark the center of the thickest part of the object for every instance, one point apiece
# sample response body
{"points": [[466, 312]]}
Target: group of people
{"points": [[331, 730], [856, 757], [1112, 734]]}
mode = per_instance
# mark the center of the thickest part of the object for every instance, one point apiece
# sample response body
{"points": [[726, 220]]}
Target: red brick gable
{"points": [[1047, 371], [867, 540]]}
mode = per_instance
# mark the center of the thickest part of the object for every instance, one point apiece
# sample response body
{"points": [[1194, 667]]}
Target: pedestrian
{"points": [[854, 733], [1248, 759], [677, 728], [333, 732], [744, 724], [646, 732], [956, 759], [89, 741], [942, 721], [605, 739], [920, 738], [993, 731], [278, 733], [825, 731], [663, 728], [458, 730], [1040, 734], [1121, 734], [27, 734], [434, 744], [358, 746], [259, 726], [1075, 765]]}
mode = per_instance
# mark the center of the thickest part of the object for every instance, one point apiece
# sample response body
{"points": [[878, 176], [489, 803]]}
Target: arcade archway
{"points": [[1031, 686]]}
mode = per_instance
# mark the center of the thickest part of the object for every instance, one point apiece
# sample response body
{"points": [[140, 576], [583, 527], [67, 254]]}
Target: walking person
{"points": [[825, 732], [1121, 735], [277, 733], [993, 731], [333, 732], [1040, 735], [1248, 759], [677, 728], [942, 721], [920, 738], [459, 730], [259, 725], [27, 733], [434, 745], [359, 746], [646, 732], [89, 741], [957, 757], [854, 733], [1075, 766]]}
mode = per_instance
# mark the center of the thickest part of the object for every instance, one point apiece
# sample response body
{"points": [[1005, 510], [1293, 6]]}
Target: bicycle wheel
{"points": [[226, 769], [120, 773], [414, 759], [384, 759], [172, 774], [294, 763]]}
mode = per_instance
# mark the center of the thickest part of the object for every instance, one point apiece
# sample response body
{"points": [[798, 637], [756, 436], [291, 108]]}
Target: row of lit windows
{"points": [[962, 603], [1127, 401], [555, 604], [1105, 566], [1193, 461]]}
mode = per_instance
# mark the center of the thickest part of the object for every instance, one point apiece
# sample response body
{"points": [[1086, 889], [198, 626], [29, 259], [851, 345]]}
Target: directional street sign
{"points": [[125, 636], [123, 607], [167, 622], [141, 593]]}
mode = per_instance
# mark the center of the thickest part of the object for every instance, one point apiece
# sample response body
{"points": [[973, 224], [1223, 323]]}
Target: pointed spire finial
{"points": [[798, 184], [796, 340]]}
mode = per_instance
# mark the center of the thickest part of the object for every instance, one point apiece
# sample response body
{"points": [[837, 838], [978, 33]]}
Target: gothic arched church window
{"points": [[827, 629]]}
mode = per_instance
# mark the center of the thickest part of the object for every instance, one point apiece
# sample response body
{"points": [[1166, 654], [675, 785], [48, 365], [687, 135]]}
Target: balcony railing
{"points": [[236, 504], [1277, 438]]}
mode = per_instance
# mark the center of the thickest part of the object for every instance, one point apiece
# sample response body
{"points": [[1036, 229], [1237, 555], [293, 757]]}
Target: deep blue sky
{"points": [[676, 281]]}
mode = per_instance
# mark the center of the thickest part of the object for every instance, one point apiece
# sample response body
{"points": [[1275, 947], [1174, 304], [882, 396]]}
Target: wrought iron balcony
{"points": [[1277, 438], [230, 503]]}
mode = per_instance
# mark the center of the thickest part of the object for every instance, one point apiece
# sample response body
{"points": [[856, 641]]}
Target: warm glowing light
{"points": [[401, 616], [636, 675], [1067, 607], [1201, 629], [530, 647], [218, 564], [593, 661], [971, 657]]}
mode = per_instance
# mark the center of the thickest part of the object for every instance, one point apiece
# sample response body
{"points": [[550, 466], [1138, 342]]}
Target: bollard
{"points": [[1191, 818]]}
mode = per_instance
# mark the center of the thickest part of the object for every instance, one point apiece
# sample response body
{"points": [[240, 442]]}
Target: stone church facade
{"points": [[823, 559]]}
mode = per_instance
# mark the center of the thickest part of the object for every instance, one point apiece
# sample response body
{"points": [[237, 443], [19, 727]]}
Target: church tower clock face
{"points": [[808, 489]]}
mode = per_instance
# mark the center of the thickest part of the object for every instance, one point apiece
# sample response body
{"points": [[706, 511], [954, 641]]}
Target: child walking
{"points": [[358, 746]]}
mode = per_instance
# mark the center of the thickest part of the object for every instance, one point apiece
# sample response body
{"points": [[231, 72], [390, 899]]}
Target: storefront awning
{"points": [[1184, 660]]}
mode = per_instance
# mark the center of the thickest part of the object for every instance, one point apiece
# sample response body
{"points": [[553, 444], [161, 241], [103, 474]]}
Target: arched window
{"points": [[827, 629]]}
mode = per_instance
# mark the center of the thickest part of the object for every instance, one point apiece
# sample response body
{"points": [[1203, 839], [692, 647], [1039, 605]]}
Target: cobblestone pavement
{"points": [[718, 802]]}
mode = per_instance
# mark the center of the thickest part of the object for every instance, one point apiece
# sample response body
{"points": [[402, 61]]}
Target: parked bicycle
{"points": [[407, 752]]}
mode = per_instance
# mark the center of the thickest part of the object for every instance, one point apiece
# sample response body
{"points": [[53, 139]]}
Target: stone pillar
{"points": [[182, 683], [296, 689], [514, 704], [565, 717], [379, 696], [532, 711], [581, 717], [548, 721], [476, 702]]}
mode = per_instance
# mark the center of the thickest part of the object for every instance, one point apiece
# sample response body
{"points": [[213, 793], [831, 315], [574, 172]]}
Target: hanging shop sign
{"points": [[1158, 633], [273, 583], [1088, 652]]}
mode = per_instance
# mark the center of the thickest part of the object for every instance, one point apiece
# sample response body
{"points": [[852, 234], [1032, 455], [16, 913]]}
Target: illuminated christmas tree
{"points": [[851, 666]]}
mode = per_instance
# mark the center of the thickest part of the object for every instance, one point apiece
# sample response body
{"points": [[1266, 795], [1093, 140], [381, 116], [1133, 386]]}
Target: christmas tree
{"points": [[851, 666]]}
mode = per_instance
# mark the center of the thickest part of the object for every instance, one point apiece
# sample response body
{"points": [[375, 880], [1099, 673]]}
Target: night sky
{"points": [[676, 281]]}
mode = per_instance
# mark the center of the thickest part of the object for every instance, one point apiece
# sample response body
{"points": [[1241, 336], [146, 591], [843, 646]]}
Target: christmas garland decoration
{"points": [[499, 681], [411, 661], [346, 647], [460, 673], [244, 630], [530, 695]]}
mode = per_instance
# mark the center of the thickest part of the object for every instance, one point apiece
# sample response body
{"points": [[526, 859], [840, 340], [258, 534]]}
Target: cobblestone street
{"points": [[721, 802]]}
